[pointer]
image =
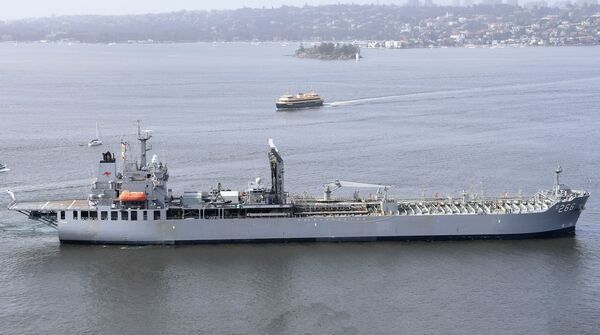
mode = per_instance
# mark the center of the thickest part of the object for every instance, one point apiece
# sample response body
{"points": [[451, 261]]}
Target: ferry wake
{"points": [[130, 203]]}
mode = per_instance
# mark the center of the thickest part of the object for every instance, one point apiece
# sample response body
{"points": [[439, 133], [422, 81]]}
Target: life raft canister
{"points": [[127, 196]]}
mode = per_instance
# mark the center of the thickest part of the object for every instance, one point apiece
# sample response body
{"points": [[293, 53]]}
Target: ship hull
{"points": [[297, 105], [564, 232], [549, 223]]}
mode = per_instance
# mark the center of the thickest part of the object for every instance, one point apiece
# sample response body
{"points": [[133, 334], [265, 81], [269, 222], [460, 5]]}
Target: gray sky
{"points": [[16, 9]]}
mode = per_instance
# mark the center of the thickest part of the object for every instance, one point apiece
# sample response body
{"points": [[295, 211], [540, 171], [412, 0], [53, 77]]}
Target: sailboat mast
{"points": [[97, 131]]}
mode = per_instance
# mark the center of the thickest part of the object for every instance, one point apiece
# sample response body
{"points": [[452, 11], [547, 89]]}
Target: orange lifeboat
{"points": [[127, 196]]}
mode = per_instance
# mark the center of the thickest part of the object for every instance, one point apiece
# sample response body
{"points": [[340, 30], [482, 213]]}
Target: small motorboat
{"points": [[4, 168]]}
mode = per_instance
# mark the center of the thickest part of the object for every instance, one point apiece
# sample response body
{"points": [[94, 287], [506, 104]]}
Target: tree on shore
{"points": [[328, 50]]}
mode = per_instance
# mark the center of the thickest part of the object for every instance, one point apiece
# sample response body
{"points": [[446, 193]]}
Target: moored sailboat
{"points": [[95, 141]]}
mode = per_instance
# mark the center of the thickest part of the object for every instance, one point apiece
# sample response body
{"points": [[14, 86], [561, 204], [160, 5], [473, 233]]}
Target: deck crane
{"points": [[337, 184]]}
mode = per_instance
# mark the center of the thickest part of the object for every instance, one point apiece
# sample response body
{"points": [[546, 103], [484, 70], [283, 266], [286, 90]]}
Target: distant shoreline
{"points": [[386, 26], [361, 44]]}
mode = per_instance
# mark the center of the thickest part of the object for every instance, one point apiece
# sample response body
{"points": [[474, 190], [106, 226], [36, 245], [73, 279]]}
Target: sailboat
{"points": [[4, 168], [95, 141]]}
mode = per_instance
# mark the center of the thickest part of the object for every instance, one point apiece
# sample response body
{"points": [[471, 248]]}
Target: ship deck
{"points": [[51, 206]]}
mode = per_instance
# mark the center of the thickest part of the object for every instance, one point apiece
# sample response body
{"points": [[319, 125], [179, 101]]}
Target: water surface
{"points": [[426, 121]]}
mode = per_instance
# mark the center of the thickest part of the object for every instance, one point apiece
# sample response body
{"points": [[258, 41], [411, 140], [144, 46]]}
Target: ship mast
{"points": [[558, 171], [143, 137]]}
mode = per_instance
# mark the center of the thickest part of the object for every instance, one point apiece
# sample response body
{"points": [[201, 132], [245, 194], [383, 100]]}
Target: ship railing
{"points": [[332, 213], [459, 199], [497, 206], [262, 215], [302, 201]]}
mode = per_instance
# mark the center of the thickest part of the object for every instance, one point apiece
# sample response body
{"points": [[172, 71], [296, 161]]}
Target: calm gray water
{"points": [[425, 121]]}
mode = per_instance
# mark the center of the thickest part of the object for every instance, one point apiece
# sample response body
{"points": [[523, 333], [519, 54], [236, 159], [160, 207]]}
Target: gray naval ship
{"points": [[133, 205]]}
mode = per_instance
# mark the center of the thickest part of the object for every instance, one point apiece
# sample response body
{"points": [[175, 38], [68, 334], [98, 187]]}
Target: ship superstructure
{"points": [[133, 205], [300, 100]]}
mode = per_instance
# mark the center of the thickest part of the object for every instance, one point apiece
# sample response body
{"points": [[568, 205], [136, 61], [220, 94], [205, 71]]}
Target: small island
{"points": [[329, 51]]}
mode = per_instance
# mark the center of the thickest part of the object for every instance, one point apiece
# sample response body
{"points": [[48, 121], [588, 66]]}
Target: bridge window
{"points": [[104, 215], [134, 215], [94, 215], [75, 215], [62, 215], [85, 215], [124, 216], [114, 215], [156, 215], [145, 215]]}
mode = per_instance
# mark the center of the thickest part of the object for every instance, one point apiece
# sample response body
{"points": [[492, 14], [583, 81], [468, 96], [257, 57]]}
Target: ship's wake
{"points": [[455, 93]]}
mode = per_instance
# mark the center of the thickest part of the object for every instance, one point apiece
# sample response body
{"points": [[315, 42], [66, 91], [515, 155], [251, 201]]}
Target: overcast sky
{"points": [[16, 9]]}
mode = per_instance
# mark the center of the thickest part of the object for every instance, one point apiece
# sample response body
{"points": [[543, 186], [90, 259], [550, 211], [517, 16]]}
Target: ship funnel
{"points": [[276, 163]]}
